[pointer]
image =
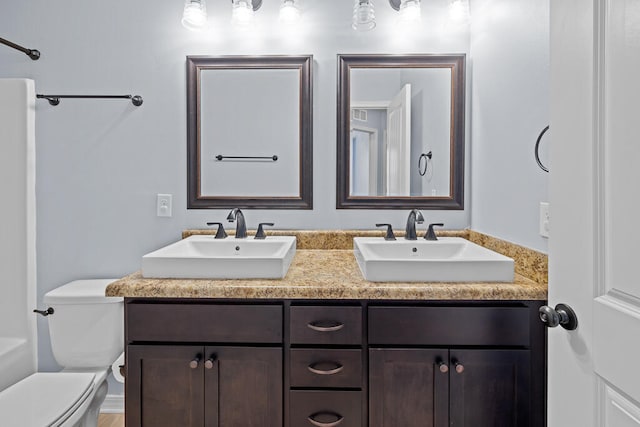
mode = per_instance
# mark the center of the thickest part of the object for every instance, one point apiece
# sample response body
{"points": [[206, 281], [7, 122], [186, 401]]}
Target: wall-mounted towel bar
{"points": [[55, 99], [220, 157], [31, 53]]}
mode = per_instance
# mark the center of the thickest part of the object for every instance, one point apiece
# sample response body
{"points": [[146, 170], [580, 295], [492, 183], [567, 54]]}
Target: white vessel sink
{"points": [[203, 257], [448, 259]]}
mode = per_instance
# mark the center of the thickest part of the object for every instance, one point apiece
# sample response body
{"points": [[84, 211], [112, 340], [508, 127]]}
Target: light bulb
{"points": [[289, 12], [364, 16], [194, 16], [242, 12], [459, 11], [410, 12]]}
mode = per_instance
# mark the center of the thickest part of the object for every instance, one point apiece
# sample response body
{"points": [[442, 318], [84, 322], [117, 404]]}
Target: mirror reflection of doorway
{"points": [[381, 146], [399, 143], [364, 161]]}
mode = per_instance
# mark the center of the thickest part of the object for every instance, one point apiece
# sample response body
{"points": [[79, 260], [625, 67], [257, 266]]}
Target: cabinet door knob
{"points": [[313, 419], [459, 367], [314, 367], [325, 326], [443, 367], [209, 362], [195, 362]]}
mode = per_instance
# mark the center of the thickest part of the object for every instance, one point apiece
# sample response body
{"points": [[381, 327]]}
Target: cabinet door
{"points": [[163, 387], [243, 387], [490, 388], [407, 387]]}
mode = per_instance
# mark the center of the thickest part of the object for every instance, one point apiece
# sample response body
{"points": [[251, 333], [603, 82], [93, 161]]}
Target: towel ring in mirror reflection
{"points": [[537, 150], [423, 170]]}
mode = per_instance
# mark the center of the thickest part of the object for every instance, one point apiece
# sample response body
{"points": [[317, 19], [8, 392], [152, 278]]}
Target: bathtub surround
{"points": [[18, 340]]}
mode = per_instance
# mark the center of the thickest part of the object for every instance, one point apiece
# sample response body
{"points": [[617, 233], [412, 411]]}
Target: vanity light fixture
{"points": [[194, 16], [289, 12], [410, 11], [459, 11], [242, 11], [364, 15]]}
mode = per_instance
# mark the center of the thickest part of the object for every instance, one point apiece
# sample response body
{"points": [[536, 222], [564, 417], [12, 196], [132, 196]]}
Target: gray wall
{"points": [[510, 72]]}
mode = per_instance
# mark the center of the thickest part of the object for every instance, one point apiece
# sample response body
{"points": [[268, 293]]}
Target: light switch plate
{"points": [[544, 219], [164, 205]]}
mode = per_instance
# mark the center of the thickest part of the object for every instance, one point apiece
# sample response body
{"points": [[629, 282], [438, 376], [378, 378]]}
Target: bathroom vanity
{"points": [[323, 347]]}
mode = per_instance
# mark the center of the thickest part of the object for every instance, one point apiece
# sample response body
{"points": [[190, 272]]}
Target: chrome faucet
{"points": [[241, 227], [415, 216]]}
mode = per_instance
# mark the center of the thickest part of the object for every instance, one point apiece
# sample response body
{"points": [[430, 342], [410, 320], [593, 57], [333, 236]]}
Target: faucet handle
{"points": [[220, 234], [389, 235], [431, 235], [260, 233]]}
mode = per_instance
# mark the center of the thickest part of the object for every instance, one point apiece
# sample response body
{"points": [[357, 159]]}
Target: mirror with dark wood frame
{"points": [[249, 132], [401, 131]]}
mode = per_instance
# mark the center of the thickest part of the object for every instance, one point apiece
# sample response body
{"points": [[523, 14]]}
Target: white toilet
{"points": [[87, 336]]}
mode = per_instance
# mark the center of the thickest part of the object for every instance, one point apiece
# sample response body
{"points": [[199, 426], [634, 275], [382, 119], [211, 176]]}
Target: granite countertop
{"points": [[334, 274]]}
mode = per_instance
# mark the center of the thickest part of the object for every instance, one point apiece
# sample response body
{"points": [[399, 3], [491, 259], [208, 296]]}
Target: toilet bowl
{"points": [[86, 330]]}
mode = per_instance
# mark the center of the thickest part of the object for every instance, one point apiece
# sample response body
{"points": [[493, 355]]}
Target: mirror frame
{"points": [[455, 200], [195, 65]]}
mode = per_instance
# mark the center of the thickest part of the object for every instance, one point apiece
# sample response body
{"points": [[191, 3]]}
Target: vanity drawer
{"points": [[310, 408], [212, 323], [326, 368], [327, 325], [465, 326]]}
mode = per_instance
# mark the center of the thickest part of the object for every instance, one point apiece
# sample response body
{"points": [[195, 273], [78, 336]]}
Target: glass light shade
{"points": [[289, 12], [364, 15], [242, 12], [410, 12], [459, 11], [194, 16]]}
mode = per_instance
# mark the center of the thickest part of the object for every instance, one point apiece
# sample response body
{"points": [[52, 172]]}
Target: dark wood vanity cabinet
{"points": [[475, 365], [327, 385], [223, 367], [334, 363], [186, 385]]}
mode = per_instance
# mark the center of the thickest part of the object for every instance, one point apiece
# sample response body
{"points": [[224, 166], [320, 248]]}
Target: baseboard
{"points": [[113, 404]]}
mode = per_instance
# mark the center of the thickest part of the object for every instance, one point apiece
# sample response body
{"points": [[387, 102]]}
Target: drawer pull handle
{"points": [[312, 419], [444, 368], [209, 362], [195, 362], [459, 367], [314, 368], [330, 326]]}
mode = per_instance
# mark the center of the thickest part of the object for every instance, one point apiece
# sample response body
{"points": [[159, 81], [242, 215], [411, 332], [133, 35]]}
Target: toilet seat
{"points": [[45, 399]]}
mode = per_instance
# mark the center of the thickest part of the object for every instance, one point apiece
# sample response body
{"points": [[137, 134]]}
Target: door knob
{"points": [[562, 315]]}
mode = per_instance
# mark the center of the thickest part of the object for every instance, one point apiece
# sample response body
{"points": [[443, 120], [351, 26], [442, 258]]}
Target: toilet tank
{"points": [[86, 328]]}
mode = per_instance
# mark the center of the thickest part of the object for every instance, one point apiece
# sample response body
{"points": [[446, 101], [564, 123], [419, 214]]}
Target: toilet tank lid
{"points": [[82, 292]]}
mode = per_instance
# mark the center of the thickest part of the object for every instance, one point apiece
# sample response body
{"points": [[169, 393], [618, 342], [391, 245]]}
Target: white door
{"points": [[594, 371], [364, 161], [399, 143]]}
